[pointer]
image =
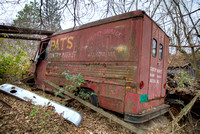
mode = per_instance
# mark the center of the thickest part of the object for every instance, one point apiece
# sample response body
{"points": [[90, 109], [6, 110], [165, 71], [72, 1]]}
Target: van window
{"points": [[160, 51], [36, 56], [44, 51], [154, 48]]}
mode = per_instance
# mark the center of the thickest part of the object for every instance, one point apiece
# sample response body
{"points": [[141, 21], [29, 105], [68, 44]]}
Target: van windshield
{"points": [[42, 54]]}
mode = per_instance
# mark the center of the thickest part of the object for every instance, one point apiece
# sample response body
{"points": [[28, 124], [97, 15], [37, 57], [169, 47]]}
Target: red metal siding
{"points": [[165, 58], [132, 97], [105, 54], [132, 103], [40, 71], [145, 54]]}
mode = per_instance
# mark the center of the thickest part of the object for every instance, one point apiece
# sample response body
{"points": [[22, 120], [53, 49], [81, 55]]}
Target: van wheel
{"points": [[89, 95], [175, 109]]}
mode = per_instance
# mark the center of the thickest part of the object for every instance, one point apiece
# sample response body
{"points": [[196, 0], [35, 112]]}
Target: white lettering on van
{"points": [[157, 81], [152, 69], [152, 80], [159, 76], [152, 75], [159, 71]]}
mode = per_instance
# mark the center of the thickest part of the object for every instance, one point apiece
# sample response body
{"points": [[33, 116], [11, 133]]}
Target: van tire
{"points": [[93, 99]]}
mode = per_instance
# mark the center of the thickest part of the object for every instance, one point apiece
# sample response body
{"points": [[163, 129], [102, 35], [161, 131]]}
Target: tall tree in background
{"points": [[50, 15], [45, 16], [29, 16]]}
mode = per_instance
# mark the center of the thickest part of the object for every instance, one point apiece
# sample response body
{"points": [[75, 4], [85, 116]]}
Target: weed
{"points": [[184, 80], [76, 81], [33, 112]]}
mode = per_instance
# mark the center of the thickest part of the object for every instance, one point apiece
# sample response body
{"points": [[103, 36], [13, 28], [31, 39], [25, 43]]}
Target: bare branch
{"points": [[184, 46], [154, 11], [189, 13]]}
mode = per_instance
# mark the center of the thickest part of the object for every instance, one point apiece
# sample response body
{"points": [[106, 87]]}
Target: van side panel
{"points": [[132, 97], [123, 59], [106, 55]]}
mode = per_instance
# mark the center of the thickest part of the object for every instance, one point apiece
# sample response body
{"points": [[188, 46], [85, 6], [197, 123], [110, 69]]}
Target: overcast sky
{"points": [[9, 9]]}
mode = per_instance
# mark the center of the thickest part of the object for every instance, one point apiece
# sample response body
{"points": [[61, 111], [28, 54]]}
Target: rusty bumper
{"points": [[141, 118]]}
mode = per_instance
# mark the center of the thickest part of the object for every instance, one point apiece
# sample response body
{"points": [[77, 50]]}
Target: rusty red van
{"points": [[123, 60]]}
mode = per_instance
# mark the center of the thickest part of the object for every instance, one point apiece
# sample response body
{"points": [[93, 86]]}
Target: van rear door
{"points": [[156, 63]]}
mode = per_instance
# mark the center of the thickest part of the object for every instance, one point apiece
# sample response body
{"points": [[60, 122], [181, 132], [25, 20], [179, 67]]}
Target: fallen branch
{"points": [[18, 30], [5, 104], [19, 37], [184, 46], [184, 111], [99, 110], [173, 119]]}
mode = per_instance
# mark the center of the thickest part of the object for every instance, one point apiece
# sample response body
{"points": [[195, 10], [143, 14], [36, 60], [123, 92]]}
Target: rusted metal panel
{"points": [[132, 103], [112, 97], [113, 73], [105, 54], [145, 54], [165, 56], [40, 72], [104, 43]]}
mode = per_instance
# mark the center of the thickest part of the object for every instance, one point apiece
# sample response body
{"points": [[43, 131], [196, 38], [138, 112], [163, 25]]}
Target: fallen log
{"points": [[99, 110], [19, 37], [184, 111], [5, 104], [18, 30]]}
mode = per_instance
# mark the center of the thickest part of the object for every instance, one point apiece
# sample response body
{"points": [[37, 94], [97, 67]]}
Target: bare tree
{"points": [[178, 18], [185, 30]]}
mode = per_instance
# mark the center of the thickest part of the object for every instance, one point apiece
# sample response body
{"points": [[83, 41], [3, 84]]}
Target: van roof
{"points": [[128, 15], [133, 14]]}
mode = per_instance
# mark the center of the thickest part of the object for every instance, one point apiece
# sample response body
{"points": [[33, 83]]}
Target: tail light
{"points": [[141, 84], [165, 85]]}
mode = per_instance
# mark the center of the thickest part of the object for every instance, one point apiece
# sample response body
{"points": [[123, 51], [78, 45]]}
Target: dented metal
{"points": [[68, 113]]}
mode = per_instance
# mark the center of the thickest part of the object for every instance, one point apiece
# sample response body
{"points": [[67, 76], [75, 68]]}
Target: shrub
{"points": [[184, 80], [13, 63], [76, 81]]}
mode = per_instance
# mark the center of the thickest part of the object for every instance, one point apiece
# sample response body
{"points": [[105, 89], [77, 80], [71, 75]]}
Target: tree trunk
{"points": [[198, 76]]}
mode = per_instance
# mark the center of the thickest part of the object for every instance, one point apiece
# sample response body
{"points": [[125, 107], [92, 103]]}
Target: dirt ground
{"points": [[22, 117]]}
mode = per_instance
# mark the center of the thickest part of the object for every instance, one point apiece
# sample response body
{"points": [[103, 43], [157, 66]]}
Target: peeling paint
{"points": [[120, 26], [121, 48]]}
